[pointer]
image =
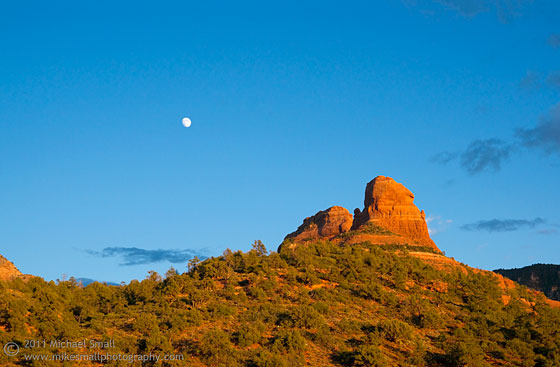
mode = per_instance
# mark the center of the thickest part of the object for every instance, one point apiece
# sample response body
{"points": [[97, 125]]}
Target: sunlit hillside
{"points": [[316, 305]]}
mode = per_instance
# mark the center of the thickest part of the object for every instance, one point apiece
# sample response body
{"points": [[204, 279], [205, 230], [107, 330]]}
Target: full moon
{"points": [[186, 122]]}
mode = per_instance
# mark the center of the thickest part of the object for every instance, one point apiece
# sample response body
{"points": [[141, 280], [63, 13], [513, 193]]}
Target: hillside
{"points": [[317, 305], [541, 277], [325, 299], [8, 270]]}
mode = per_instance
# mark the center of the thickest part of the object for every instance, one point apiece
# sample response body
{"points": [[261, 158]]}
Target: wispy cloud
{"points": [[502, 225], [138, 256], [482, 155], [548, 231], [437, 224], [553, 79], [467, 8], [489, 154], [505, 10], [535, 81], [554, 40], [545, 135], [444, 157], [531, 81], [430, 218]]}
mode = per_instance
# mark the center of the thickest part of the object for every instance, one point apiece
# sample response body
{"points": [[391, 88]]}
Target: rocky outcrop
{"points": [[325, 224], [389, 217], [8, 270], [390, 205]]}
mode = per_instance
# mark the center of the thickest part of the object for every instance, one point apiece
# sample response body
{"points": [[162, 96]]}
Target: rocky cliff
{"points": [[389, 217], [325, 224], [390, 205]]}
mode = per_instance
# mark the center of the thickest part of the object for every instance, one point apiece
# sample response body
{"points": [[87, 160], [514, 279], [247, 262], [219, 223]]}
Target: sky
{"points": [[295, 106]]}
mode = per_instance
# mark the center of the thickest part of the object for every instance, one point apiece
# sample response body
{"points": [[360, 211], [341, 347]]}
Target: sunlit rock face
{"points": [[325, 224], [390, 205], [389, 217], [8, 270]]}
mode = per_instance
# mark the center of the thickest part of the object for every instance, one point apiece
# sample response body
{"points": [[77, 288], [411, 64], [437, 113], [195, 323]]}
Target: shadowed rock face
{"points": [[324, 224], [8, 270], [389, 217], [390, 205]]}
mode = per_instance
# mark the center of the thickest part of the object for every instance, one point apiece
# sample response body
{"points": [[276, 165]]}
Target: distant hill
{"points": [[8, 271], [541, 277], [86, 281]]}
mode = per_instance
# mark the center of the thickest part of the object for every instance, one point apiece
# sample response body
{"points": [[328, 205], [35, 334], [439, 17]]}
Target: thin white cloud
{"points": [[437, 224], [431, 218]]}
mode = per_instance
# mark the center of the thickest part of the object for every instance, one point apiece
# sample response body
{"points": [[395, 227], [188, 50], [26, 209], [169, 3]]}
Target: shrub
{"points": [[371, 291], [348, 326], [370, 356], [220, 310], [193, 317], [146, 324], [306, 316], [323, 336], [465, 353], [417, 356], [248, 334], [267, 359], [394, 330], [289, 340], [257, 293], [217, 349], [321, 307], [429, 318]]}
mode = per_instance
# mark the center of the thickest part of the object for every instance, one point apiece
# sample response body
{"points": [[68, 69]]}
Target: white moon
{"points": [[186, 122]]}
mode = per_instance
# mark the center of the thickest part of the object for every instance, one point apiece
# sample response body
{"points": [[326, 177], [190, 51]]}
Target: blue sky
{"points": [[295, 107]]}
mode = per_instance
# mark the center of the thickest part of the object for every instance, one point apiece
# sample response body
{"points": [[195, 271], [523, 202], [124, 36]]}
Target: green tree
{"points": [[259, 248], [370, 356]]}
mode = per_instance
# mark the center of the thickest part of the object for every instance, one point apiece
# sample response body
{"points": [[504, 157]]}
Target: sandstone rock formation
{"points": [[325, 224], [390, 205], [8, 270], [389, 217]]}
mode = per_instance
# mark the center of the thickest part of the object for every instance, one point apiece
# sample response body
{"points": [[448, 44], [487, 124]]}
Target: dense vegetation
{"points": [[542, 277], [318, 305]]}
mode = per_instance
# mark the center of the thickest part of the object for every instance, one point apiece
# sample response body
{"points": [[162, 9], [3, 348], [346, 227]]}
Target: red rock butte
{"points": [[389, 217]]}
